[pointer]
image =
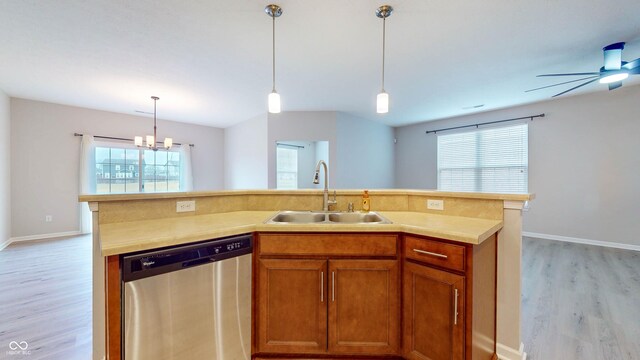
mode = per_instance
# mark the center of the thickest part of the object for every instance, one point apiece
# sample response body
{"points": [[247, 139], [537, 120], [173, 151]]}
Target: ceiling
{"points": [[210, 61]]}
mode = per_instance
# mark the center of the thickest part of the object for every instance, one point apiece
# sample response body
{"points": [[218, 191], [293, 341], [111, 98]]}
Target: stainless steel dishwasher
{"points": [[189, 302]]}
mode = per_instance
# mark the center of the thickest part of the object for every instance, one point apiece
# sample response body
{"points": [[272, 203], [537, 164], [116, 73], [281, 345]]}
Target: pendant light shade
{"points": [[274, 11], [274, 102], [382, 101]]}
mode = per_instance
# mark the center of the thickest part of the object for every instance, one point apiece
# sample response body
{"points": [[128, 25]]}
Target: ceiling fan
{"points": [[613, 72]]}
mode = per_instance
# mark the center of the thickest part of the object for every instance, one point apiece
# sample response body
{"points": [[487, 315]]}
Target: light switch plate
{"points": [[435, 204], [185, 206]]}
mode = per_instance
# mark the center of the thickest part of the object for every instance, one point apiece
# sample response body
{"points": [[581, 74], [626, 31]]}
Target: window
{"points": [[287, 167], [126, 170], [490, 160]]}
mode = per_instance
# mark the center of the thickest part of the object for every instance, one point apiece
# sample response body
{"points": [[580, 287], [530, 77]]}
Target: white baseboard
{"points": [[508, 353], [4, 243], [38, 237], [582, 241]]}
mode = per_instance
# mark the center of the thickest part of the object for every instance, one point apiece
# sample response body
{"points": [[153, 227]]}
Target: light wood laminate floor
{"points": [[580, 301], [45, 299]]}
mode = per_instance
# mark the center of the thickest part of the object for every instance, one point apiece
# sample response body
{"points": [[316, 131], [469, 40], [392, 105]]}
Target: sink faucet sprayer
{"points": [[316, 180]]}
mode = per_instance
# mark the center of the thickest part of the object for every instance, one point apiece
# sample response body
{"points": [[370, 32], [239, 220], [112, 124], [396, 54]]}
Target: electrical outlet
{"points": [[185, 206], [48, 218], [435, 204]]}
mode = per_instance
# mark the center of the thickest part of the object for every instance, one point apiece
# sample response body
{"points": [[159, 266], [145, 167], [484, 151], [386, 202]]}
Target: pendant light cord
{"points": [[274, 52], [384, 37]]}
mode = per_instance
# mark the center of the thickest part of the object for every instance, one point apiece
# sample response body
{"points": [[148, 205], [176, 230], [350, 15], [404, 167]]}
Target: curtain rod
{"points": [[123, 139], [295, 146], [531, 117]]}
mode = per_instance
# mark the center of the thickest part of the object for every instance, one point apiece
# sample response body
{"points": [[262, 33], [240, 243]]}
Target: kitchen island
{"points": [[131, 223]]}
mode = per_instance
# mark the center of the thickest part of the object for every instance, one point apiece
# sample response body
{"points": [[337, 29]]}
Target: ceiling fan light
{"points": [[274, 102], [382, 103], [168, 143], [618, 76], [137, 140]]}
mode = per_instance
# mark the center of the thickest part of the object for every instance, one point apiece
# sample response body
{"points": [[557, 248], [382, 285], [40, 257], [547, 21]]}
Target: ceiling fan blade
{"points": [[613, 56], [562, 83], [573, 88], [633, 66], [570, 74], [615, 85]]}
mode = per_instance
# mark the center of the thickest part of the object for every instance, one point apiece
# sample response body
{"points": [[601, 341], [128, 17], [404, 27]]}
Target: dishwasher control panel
{"points": [[142, 265]]}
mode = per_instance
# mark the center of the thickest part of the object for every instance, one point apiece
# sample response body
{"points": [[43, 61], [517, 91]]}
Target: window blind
{"points": [[287, 167], [488, 160]]}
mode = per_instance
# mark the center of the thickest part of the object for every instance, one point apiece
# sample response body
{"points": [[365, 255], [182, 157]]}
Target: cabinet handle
{"points": [[455, 308], [321, 286], [430, 253], [333, 286]]}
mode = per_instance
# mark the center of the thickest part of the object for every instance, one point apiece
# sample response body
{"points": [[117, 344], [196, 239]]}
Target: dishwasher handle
{"points": [[191, 263]]}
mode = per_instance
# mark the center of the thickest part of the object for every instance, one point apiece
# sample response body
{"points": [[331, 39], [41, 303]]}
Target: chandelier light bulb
{"points": [[150, 141]]}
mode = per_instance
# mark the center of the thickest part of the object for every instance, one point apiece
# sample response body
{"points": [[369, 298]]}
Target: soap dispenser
{"points": [[366, 203]]}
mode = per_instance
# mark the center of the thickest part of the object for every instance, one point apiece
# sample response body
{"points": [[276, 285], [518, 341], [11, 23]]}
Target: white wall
{"points": [[245, 155], [45, 158], [5, 169], [365, 154], [361, 152], [584, 163], [305, 126]]}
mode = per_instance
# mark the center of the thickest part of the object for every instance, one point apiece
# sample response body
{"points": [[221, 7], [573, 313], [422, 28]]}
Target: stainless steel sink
{"points": [[356, 217], [318, 217], [300, 217]]}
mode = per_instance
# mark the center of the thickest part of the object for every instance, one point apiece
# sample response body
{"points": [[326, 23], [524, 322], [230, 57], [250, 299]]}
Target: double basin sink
{"points": [[320, 217]]}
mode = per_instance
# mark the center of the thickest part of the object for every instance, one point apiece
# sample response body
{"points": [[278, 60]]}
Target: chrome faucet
{"points": [[325, 195]]}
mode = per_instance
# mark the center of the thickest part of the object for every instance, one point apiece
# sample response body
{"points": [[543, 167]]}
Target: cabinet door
{"points": [[364, 311], [292, 306], [433, 314]]}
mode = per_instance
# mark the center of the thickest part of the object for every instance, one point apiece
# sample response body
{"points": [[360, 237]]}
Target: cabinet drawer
{"points": [[328, 244], [433, 252]]}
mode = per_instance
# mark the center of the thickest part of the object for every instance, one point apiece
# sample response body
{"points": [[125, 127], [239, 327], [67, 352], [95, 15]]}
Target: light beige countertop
{"points": [[125, 237]]}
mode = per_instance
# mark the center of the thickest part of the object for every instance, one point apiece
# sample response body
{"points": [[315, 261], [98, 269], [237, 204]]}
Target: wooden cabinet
{"points": [[434, 313], [364, 307], [292, 306], [367, 296], [334, 301], [449, 300]]}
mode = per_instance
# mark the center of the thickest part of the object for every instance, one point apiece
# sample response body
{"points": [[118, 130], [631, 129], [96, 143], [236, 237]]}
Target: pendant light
{"points": [[151, 139], [382, 101], [274, 98]]}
